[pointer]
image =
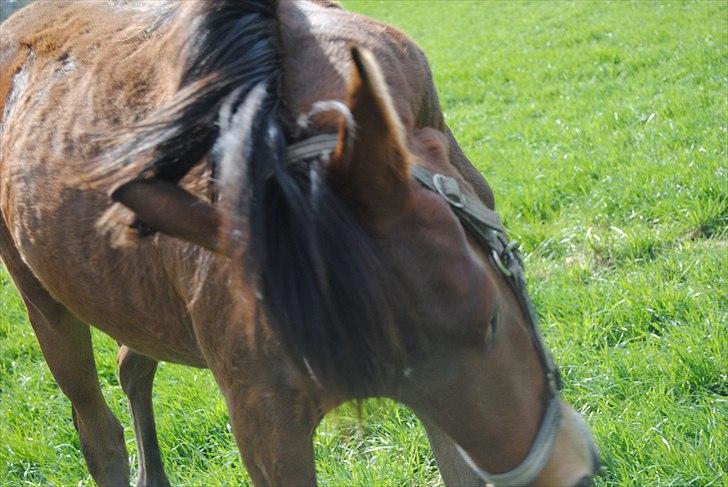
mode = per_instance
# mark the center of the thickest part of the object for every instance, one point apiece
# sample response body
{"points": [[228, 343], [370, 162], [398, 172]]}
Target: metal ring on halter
{"points": [[500, 265], [512, 246]]}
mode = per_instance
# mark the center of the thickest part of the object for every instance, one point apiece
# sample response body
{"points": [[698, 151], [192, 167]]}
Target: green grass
{"points": [[603, 130]]}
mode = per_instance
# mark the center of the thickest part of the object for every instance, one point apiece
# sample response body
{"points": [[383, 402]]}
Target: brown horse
{"points": [[291, 212]]}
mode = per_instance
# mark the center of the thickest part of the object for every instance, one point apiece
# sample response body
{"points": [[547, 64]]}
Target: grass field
{"points": [[603, 129]]}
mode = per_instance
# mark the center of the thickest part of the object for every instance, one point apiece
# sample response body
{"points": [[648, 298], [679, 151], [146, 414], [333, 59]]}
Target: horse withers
{"points": [[269, 190]]}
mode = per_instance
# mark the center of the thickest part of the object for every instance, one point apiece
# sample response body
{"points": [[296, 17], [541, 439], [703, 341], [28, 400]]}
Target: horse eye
{"points": [[492, 326]]}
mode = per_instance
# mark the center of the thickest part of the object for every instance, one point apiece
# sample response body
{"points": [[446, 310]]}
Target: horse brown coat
{"points": [[73, 71]]}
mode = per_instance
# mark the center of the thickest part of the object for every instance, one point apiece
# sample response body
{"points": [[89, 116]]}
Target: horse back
{"points": [[72, 74], [13, 50]]}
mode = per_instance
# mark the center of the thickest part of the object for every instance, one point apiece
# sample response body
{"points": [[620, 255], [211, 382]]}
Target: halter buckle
{"points": [[448, 188]]}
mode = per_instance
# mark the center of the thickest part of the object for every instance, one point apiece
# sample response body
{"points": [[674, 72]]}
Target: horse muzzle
{"points": [[563, 453]]}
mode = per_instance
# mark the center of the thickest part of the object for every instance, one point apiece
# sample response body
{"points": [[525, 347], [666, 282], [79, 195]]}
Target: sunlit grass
{"points": [[602, 128]]}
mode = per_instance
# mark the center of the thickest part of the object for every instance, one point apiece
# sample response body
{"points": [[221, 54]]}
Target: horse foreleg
{"points": [[66, 345], [275, 436], [136, 375], [453, 468]]}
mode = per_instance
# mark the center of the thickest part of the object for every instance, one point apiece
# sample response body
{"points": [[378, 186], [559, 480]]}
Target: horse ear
{"points": [[167, 208], [374, 166]]}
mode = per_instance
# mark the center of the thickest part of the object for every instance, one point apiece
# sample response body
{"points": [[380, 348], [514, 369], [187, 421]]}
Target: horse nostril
{"points": [[587, 480]]}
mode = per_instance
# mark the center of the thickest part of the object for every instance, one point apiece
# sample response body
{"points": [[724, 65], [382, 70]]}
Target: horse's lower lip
{"points": [[596, 460], [594, 449], [585, 481]]}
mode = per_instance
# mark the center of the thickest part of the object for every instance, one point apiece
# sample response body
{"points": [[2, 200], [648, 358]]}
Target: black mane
{"points": [[323, 288]]}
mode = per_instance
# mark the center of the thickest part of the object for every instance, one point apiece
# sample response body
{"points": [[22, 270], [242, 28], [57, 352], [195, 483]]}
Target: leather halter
{"points": [[485, 225]]}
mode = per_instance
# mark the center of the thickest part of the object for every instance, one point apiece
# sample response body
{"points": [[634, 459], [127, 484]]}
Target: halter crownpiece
{"points": [[311, 148]]}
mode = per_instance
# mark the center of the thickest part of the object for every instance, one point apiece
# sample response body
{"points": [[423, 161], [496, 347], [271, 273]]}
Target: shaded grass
{"points": [[602, 128]]}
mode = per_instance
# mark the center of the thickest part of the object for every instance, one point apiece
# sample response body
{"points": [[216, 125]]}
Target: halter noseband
{"points": [[485, 225]]}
